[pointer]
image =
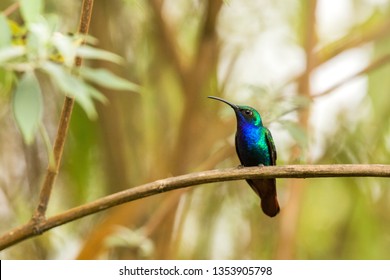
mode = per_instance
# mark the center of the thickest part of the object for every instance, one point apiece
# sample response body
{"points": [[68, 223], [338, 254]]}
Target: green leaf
{"points": [[5, 32], [11, 52], [71, 86], [65, 47], [89, 52], [38, 41], [31, 10], [105, 78], [27, 105]]}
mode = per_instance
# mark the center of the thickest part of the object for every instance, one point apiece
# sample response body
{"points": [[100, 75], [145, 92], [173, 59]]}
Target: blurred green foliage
{"points": [[37, 46], [259, 53]]}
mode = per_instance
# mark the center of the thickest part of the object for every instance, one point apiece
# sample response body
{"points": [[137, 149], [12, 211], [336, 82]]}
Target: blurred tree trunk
{"points": [[195, 79], [113, 117], [291, 212]]}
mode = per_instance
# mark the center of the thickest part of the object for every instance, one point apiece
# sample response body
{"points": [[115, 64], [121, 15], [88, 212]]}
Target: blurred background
{"points": [[317, 71]]}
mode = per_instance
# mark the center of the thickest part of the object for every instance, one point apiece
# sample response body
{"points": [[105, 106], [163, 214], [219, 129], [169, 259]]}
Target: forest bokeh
{"points": [[317, 71]]}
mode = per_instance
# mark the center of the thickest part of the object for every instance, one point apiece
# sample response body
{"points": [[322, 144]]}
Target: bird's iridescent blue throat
{"points": [[253, 141]]}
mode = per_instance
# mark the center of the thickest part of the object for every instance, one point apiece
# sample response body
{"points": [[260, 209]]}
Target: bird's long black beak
{"points": [[234, 106]]}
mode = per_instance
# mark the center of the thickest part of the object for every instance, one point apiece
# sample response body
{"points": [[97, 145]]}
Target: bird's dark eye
{"points": [[248, 112]]}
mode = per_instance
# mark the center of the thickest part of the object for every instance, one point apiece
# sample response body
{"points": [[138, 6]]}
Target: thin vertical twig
{"points": [[63, 127]]}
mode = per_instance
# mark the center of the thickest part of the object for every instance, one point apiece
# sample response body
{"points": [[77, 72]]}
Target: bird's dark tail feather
{"points": [[266, 190]]}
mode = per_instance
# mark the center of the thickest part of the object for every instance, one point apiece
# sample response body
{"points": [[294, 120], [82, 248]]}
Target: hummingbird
{"points": [[255, 147]]}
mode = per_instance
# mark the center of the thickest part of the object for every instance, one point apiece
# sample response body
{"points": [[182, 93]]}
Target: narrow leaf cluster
{"points": [[35, 50]]}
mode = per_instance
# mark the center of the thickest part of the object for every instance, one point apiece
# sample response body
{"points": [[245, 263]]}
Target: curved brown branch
{"points": [[34, 228]]}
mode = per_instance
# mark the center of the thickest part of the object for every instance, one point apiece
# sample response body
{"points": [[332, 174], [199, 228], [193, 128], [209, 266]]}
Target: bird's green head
{"points": [[245, 115], [248, 115]]}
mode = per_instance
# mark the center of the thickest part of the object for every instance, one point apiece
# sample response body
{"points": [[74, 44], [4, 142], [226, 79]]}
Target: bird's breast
{"points": [[252, 148]]}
